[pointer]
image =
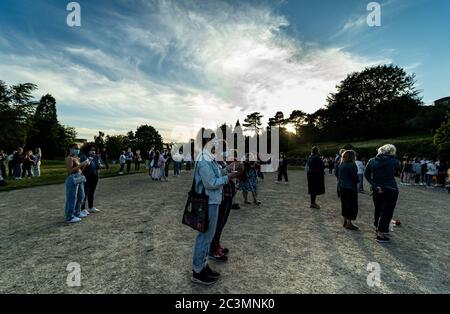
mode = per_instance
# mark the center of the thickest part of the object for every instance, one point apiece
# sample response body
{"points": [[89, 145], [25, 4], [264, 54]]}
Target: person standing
{"points": [[380, 173], [249, 182], [208, 177], [315, 177], [28, 163], [2, 164], [105, 157], [18, 160], [74, 184], [37, 162], [407, 171], [137, 161], [361, 169], [177, 158], [122, 161], [129, 159], [151, 157], [216, 251], [156, 166], [282, 169], [416, 170], [162, 166], [168, 159], [348, 185], [331, 165], [10, 160], [442, 170], [91, 172]]}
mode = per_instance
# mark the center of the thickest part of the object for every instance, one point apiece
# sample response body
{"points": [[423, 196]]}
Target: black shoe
{"points": [[235, 206], [211, 273], [383, 240], [225, 250], [351, 226], [218, 258], [203, 278]]}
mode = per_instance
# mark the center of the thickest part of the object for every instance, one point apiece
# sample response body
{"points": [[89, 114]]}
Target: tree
{"points": [[147, 136], [365, 99], [115, 144], [442, 139], [253, 122], [44, 127], [66, 136], [278, 120], [16, 108], [297, 118]]}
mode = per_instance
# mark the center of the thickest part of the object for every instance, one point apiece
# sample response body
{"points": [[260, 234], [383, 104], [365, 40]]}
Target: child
{"points": [[122, 161]]}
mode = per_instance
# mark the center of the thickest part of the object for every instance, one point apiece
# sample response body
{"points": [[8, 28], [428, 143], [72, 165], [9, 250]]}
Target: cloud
{"points": [[181, 66]]}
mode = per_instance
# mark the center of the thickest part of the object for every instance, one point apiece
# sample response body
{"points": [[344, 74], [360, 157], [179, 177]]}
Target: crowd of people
{"points": [[380, 172], [424, 172], [221, 181], [20, 164]]}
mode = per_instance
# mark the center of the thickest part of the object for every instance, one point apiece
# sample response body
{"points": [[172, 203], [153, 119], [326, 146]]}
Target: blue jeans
{"points": [[74, 198], [203, 240], [176, 168], [361, 182], [18, 171], [429, 179]]}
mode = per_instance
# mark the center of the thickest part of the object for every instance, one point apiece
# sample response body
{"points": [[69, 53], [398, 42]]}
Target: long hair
{"points": [[349, 156], [87, 148]]}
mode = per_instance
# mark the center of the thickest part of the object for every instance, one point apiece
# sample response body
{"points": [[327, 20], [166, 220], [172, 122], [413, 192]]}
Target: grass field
{"points": [[54, 172], [406, 144]]}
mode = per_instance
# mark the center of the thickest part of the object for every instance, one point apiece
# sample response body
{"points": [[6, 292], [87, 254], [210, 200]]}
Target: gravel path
{"points": [[137, 243]]}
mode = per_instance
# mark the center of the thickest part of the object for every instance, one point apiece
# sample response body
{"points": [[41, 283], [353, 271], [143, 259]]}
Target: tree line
{"points": [[32, 124], [378, 102]]}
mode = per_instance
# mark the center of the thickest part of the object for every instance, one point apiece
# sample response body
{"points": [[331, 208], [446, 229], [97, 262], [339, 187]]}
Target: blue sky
{"points": [[178, 65]]}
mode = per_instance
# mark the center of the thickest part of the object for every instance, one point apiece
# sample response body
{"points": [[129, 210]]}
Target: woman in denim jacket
{"points": [[210, 176]]}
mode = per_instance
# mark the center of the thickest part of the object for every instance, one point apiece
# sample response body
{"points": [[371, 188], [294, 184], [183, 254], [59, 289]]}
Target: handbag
{"points": [[196, 210], [78, 179]]}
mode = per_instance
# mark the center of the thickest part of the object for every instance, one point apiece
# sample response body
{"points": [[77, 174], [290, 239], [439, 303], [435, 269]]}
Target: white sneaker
{"points": [[86, 212], [286, 183], [74, 220], [82, 214], [93, 210]]}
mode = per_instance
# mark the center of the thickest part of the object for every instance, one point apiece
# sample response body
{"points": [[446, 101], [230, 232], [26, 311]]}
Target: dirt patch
{"points": [[137, 243]]}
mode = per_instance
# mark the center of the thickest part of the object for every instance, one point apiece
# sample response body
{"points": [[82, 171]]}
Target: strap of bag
{"points": [[193, 180]]}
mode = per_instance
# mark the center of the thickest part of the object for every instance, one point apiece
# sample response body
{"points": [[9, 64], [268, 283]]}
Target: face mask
{"points": [[75, 152]]}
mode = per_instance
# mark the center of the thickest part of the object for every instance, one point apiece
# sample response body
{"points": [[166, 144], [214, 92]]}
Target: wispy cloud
{"points": [[183, 65]]}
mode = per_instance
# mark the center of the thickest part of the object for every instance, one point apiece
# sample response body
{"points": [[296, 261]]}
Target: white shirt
{"points": [[360, 166]]}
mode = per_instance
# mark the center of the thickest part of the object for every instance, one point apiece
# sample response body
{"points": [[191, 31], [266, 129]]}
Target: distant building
{"points": [[443, 102]]}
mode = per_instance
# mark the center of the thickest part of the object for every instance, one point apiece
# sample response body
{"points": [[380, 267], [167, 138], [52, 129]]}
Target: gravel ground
{"points": [[137, 243]]}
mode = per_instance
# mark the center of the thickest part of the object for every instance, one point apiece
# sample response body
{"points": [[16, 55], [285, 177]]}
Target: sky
{"points": [[179, 65]]}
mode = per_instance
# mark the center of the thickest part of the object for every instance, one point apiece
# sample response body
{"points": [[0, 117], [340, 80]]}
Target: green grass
{"points": [[328, 147], [54, 172]]}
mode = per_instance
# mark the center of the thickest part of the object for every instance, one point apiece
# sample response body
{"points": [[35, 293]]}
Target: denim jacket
{"points": [[209, 175]]}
